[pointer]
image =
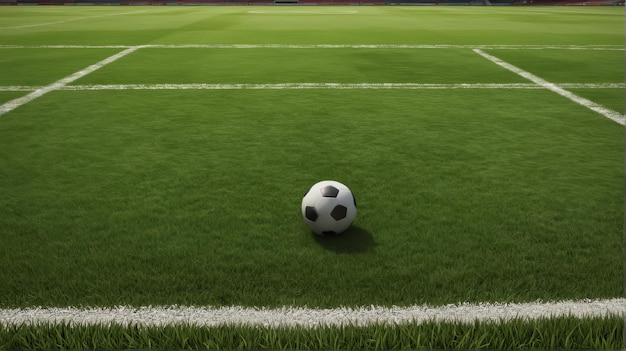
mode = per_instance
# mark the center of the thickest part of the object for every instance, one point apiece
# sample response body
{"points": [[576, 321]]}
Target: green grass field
{"points": [[174, 173]]}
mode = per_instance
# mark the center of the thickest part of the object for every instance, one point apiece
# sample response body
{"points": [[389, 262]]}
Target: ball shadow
{"points": [[354, 240]]}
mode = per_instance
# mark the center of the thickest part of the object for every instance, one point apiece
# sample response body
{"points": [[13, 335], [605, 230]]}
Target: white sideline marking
{"points": [[382, 46], [66, 46], [281, 86], [18, 88], [610, 114], [311, 317], [326, 46], [70, 20], [277, 86], [13, 104]]}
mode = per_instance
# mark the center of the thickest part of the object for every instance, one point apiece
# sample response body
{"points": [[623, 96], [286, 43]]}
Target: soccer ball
{"points": [[328, 208]]}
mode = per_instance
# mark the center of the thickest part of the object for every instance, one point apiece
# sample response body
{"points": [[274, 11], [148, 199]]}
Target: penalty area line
{"points": [[312, 317], [608, 113], [13, 104], [298, 86]]}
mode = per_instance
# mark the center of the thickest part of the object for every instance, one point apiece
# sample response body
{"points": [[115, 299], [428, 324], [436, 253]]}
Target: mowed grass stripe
{"points": [[69, 20], [312, 317]]}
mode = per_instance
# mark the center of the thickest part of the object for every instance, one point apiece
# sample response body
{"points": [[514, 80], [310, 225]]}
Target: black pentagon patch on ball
{"points": [[339, 212], [310, 213], [328, 233], [329, 191]]}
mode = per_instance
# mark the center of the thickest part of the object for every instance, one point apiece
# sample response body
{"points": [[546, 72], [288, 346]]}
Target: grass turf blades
{"points": [[544, 334], [165, 211]]}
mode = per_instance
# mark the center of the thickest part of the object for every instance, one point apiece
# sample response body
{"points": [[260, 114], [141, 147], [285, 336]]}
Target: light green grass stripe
{"points": [[70, 20], [311, 317]]}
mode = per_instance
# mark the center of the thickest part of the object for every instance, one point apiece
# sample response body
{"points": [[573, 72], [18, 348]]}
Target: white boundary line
{"points": [[279, 86], [311, 317], [326, 46], [299, 86], [13, 104], [66, 46], [610, 114]]}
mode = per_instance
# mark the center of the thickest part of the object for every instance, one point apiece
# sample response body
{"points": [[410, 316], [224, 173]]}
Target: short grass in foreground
{"points": [[170, 205], [544, 334]]}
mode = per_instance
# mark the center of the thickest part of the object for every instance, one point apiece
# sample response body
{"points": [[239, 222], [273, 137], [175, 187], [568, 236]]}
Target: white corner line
{"points": [[608, 113], [13, 104]]}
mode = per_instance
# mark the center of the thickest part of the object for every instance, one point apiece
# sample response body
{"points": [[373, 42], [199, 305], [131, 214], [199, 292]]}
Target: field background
{"points": [[192, 196]]}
